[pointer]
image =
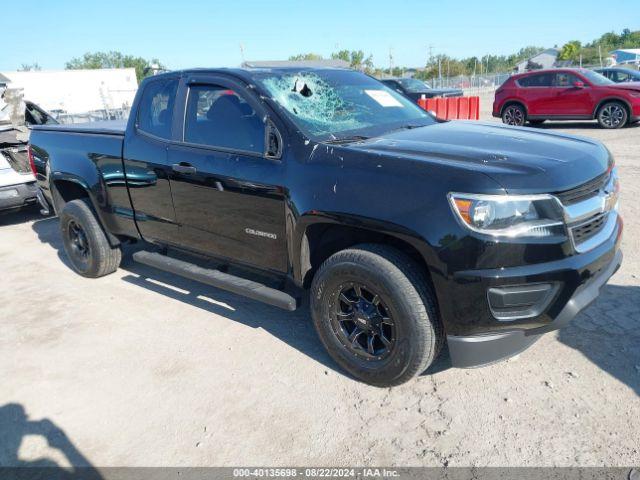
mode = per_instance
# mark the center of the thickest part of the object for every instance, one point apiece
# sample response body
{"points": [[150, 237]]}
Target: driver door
{"points": [[569, 99], [229, 199]]}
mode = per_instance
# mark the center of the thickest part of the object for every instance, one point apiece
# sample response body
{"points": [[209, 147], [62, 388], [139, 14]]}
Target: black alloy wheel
{"points": [[78, 240], [363, 323], [375, 313], [85, 242]]}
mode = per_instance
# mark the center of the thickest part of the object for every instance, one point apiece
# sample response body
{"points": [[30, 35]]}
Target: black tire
{"points": [[536, 122], [612, 115], [514, 114], [85, 243], [415, 336]]}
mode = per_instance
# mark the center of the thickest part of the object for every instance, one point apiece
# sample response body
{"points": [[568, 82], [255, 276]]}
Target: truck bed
{"points": [[108, 127]]}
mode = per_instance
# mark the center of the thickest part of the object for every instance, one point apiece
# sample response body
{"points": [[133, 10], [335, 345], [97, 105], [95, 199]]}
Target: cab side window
{"points": [[621, 77], [156, 107], [565, 80], [217, 116], [539, 80]]}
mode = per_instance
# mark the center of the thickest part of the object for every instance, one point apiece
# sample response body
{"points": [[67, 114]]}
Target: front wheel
{"points": [[612, 115], [85, 243], [514, 114], [376, 315]]}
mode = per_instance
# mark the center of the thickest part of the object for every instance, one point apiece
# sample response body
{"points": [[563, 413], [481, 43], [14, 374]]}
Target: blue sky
{"points": [[199, 33]]}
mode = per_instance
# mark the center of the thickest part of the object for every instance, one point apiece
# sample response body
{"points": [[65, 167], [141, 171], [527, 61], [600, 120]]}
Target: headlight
{"points": [[509, 215]]}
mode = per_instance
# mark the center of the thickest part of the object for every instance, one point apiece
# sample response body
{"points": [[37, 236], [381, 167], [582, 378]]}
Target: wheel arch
{"points": [[514, 101], [320, 237], [68, 187], [621, 100]]}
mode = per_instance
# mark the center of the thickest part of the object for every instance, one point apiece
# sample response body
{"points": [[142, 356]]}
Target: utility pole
{"points": [[600, 53], [242, 52], [448, 71], [390, 61]]}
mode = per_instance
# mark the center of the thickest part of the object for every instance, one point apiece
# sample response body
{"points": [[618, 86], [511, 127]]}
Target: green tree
{"points": [[356, 59], [570, 50], [342, 55], [305, 56], [97, 60]]}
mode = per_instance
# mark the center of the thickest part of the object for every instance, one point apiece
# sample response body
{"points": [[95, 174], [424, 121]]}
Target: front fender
{"points": [[300, 253]]}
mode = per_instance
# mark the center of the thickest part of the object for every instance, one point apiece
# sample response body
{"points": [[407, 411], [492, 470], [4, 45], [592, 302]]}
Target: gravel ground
{"points": [[143, 369]]}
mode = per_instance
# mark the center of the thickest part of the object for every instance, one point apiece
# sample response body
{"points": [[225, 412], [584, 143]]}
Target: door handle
{"points": [[184, 167]]}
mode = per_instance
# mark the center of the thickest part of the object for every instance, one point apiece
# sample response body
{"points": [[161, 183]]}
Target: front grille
{"points": [[588, 229], [584, 191]]}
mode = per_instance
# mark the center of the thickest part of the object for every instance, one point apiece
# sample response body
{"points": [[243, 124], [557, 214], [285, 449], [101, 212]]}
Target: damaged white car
{"points": [[18, 186]]}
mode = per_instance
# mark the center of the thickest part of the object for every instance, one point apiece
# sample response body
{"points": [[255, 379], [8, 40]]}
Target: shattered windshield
{"points": [[334, 104]]}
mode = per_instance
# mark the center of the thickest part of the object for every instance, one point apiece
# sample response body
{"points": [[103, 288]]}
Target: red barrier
{"points": [[453, 108], [474, 108]]}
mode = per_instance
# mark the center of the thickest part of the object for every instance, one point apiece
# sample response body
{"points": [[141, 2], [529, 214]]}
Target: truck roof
{"points": [[248, 73]]}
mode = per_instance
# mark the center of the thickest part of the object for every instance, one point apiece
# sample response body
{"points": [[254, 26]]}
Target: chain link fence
{"points": [[471, 83]]}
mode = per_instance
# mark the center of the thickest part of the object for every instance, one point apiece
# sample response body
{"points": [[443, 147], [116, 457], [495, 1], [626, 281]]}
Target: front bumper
{"points": [[479, 350], [635, 111], [16, 196]]}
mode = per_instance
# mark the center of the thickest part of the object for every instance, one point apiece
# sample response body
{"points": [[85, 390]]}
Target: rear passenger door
{"points": [[146, 164], [229, 198], [536, 90]]}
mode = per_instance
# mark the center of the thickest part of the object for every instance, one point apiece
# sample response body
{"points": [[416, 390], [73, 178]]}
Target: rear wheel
{"points": [[612, 115], [375, 314], [85, 243], [514, 114]]}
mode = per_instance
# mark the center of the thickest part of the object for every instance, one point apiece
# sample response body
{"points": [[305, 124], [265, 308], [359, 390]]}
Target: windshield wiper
{"points": [[350, 138]]}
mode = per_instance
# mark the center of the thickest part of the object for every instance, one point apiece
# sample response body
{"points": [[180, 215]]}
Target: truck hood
{"points": [[521, 160]]}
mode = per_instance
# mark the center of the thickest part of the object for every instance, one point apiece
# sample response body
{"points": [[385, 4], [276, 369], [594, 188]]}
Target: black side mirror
{"points": [[273, 141]]}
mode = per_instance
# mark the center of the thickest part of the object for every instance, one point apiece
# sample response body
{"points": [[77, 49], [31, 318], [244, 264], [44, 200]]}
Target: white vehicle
{"points": [[17, 184]]}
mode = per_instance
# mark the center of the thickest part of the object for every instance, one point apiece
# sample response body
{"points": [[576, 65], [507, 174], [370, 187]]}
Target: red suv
{"points": [[567, 94]]}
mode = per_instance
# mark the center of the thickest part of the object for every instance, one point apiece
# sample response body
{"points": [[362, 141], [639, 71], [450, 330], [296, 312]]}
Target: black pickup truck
{"points": [[409, 232]]}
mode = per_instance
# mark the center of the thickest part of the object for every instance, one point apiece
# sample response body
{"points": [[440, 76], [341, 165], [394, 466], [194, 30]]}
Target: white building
{"points": [[626, 55], [77, 91], [545, 59]]}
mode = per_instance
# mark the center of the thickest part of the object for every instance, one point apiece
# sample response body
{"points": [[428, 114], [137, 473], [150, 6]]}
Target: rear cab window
{"points": [[155, 112]]}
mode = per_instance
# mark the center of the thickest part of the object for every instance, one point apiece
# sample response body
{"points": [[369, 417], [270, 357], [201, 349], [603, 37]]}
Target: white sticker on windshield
{"points": [[383, 97]]}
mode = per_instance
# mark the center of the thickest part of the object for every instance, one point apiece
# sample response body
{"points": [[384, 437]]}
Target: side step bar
{"points": [[218, 279]]}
